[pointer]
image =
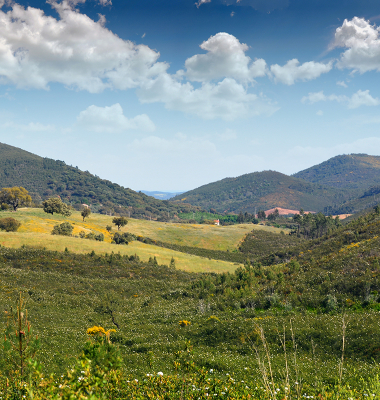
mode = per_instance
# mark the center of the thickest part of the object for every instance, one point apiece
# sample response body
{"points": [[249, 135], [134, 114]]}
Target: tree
{"points": [[261, 215], [274, 215], [119, 222], [85, 212], [56, 205], [15, 197]]}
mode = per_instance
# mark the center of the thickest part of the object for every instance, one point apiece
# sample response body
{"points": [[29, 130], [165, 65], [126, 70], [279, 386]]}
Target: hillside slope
{"points": [[356, 172], [44, 177], [262, 190]]}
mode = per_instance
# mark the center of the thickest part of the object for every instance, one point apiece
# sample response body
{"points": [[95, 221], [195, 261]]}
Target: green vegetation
{"points": [[56, 205], [176, 329], [262, 190], [356, 172], [64, 229]]}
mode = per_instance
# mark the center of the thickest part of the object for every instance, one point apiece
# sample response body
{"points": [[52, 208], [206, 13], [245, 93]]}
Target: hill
{"points": [[44, 177], [262, 191], [354, 172]]}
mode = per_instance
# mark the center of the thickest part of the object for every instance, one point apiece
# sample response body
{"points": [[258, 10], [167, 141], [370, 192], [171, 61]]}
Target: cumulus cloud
{"points": [[227, 99], [105, 2], [112, 120], [361, 39], [225, 57], [360, 98], [74, 50], [292, 71]]}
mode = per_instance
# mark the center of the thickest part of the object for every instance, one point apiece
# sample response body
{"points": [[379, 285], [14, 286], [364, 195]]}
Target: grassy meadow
{"points": [[37, 226], [305, 328]]}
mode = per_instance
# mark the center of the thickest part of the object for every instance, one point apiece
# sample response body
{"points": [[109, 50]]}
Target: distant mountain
{"points": [[44, 177], [355, 172], [161, 195], [263, 191]]}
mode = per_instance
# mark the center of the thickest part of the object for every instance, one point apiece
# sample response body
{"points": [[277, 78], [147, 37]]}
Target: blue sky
{"points": [[170, 95]]}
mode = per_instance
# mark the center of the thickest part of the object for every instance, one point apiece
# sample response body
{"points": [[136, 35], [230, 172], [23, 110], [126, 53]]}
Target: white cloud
{"points": [[232, 13], [105, 2], [363, 45], [227, 99], [320, 113], [74, 50], [112, 120], [225, 57], [320, 96], [360, 98], [342, 83], [200, 2], [292, 71]]}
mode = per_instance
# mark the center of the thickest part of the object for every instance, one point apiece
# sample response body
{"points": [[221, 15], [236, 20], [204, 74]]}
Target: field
{"points": [[37, 226]]}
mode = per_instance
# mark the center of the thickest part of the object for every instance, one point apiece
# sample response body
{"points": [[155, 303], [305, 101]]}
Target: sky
{"points": [[173, 94]]}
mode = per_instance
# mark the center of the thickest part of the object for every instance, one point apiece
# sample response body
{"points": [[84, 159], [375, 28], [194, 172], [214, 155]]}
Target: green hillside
{"points": [[44, 177], [356, 172], [262, 190]]}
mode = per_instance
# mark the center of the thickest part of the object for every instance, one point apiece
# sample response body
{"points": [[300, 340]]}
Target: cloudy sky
{"points": [[172, 94]]}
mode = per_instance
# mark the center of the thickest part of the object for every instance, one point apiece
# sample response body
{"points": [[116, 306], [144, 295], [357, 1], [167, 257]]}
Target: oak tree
{"points": [[15, 197]]}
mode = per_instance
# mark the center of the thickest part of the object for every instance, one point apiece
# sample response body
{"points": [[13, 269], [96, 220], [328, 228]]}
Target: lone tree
{"points": [[56, 205], [85, 212], [119, 222], [15, 197]]}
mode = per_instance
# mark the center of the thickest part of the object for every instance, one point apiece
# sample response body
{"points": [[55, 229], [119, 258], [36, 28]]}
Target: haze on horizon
{"points": [[175, 95]]}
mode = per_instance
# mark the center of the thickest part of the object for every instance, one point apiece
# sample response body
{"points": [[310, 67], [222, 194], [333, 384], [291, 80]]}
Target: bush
{"points": [[92, 236], [9, 224], [64, 229], [121, 238]]}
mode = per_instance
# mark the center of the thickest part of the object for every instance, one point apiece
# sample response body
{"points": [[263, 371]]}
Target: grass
{"points": [[37, 226], [194, 235], [299, 306]]}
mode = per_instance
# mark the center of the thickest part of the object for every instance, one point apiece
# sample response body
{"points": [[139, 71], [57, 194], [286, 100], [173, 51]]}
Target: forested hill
{"points": [[262, 190], [356, 172], [44, 177]]}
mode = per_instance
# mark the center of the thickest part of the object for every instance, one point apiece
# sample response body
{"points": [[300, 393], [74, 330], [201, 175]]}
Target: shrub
{"points": [[122, 238], [64, 229], [9, 224]]}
